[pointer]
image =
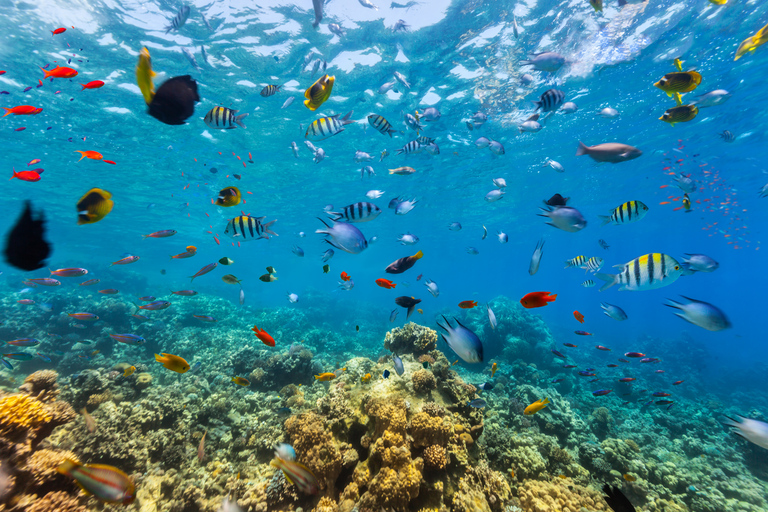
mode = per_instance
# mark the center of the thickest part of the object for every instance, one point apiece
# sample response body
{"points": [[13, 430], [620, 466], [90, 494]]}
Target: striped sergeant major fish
{"points": [[593, 264], [270, 90], [357, 212], [578, 261], [179, 20], [550, 100], [647, 272], [325, 127], [631, 211], [425, 141], [411, 147], [249, 228], [223, 118], [382, 125]]}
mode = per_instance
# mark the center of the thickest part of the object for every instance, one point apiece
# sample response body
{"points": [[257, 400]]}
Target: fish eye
{"points": [[677, 267]]}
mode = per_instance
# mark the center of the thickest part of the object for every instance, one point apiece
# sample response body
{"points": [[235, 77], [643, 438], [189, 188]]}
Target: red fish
{"points": [[263, 336], [419, 277], [93, 155], [92, 85], [21, 110], [677, 383], [634, 354], [20, 129], [612, 365], [59, 72], [345, 277], [33, 162], [58, 31], [125, 261], [26, 175], [109, 162], [579, 317], [583, 333], [600, 347], [537, 299], [627, 379], [386, 283], [109, 291], [570, 345], [467, 304]]}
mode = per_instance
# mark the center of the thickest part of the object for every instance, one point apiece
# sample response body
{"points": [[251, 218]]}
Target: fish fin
{"points": [[346, 119], [605, 218], [267, 230], [410, 310], [239, 120], [610, 280], [582, 150], [68, 465], [159, 358], [418, 255]]}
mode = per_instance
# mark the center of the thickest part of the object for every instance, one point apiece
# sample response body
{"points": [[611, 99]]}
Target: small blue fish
{"points": [[393, 315], [128, 339], [19, 356], [298, 251], [44, 357], [385, 374], [477, 403], [7, 364], [327, 255], [195, 367], [398, 365]]}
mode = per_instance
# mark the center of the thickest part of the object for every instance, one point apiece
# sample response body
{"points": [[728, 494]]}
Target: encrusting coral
{"points": [[423, 381], [411, 339], [560, 496]]}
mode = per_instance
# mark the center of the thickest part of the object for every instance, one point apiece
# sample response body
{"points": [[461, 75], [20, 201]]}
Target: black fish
{"points": [[403, 264], [616, 499], [550, 100], [26, 247], [407, 302], [557, 200], [174, 101]]}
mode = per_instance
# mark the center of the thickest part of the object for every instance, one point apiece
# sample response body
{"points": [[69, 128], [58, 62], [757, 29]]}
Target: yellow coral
{"points": [[428, 430], [22, 411], [435, 456], [540, 496], [423, 381]]}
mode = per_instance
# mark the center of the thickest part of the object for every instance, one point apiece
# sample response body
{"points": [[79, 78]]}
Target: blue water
{"points": [[460, 57]]}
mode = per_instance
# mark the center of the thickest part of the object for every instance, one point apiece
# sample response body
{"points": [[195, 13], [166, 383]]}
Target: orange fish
{"points": [[59, 72], [467, 304], [578, 316], [263, 336], [21, 110], [58, 31], [386, 283], [92, 85], [26, 175], [345, 276], [93, 155], [493, 369], [537, 299]]}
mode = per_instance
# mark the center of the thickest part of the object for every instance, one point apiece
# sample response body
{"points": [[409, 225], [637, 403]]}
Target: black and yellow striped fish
{"points": [[325, 127], [270, 90], [684, 81], [631, 211], [647, 272], [319, 92], [94, 206], [411, 147], [246, 228], [381, 124], [229, 196], [681, 114], [578, 261], [593, 264], [223, 118]]}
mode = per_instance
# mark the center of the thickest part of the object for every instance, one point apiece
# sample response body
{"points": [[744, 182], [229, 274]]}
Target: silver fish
{"points": [[242, 297], [482, 142], [569, 107], [327, 255], [712, 98], [398, 365], [462, 341], [608, 113], [491, 316], [701, 262], [368, 4], [385, 88], [494, 195], [288, 102], [317, 5], [362, 156], [555, 165], [367, 171], [614, 312], [393, 315], [515, 30], [432, 287], [430, 114], [565, 218], [546, 61], [502, 237], [701, 313], [191, 58], [473, 251], [454, 226], [408, 239], [613, 152], [207, 25], [179, 20], [295, 148], [292, 297], [374, 194], [401, 78], [499, 182], [344, 236], [536, 258], [496, 147], [336, 29]]}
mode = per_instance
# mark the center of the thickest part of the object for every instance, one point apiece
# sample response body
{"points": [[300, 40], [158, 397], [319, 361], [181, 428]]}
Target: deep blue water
{"points": [[460, 57]]}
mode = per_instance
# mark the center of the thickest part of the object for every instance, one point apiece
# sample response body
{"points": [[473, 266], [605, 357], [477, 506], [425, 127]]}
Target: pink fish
{"points": [[204, 270]]}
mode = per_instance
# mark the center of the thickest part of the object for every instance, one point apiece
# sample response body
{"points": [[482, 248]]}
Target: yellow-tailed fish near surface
{"points": [[105, 483], [631, 211], [536, 406], [326, 127], [144, 75], [684, 81], [297, 474], [319, 92], [681, 114], [752, 42], [647, 272]]}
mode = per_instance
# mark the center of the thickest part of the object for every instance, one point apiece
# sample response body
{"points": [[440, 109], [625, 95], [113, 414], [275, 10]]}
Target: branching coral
{"points": [[18, 412], [410, 339]]}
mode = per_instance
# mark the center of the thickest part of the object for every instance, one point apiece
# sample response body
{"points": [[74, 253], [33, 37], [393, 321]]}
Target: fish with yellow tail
{"points": [[536, 407], [365, 378], [646, 272], [681, 81], [229, 196], [171, 362], [144, 75], [105, 483], [680, 114], [325, 377], [751, 43], [319, 92], [297, 474], [401, 265]]}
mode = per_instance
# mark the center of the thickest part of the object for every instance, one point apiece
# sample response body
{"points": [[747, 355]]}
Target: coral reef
{"points": [[411, 339]]}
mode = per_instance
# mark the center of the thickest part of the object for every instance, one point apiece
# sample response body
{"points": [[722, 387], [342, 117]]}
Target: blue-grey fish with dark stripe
{"points": [[246, 228], [463, 341], [631, 211], [411, 147], [179, 20], [550, 100], [270, 90], [325, 127], [382, 125], [223, 118], [357, 212]]}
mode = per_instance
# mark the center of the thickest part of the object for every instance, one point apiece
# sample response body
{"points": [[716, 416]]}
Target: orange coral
{"points": [[21, 412], [428, 430], [540, 496], [435, 456], [315, 448]]}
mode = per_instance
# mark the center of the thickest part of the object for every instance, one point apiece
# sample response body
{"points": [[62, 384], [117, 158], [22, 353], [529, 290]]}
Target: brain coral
{"points": [[427, 430], [314, 447], [562, 496], [423, 381], [41, 385], [411, 339]]}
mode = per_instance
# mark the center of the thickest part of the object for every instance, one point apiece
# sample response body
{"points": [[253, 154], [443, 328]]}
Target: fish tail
{"points": [[239, 120], [47, 73], [545, 401], [67, 466], [552, 298], [15, 174], [346, 119], [159, 358], [610, 280], [605, 218], [582, 150], [266, 227], [410, 310], [418, 255], [7, 111], [83, 87]]}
